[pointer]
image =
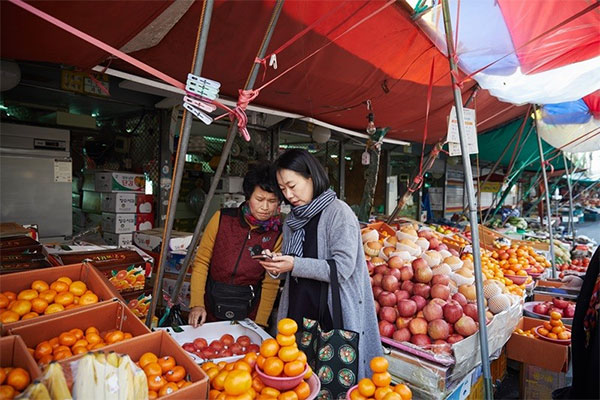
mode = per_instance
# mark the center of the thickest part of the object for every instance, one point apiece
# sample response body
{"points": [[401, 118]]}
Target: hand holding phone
{"points": [[263, 257]]}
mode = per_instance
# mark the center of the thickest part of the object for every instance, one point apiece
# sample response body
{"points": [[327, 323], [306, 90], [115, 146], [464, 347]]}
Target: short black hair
{"points": [[304, 163], [261, 175]]}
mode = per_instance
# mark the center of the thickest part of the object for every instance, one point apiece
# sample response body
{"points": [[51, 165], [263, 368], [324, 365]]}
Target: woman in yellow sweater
{"points": [[227, 282]]}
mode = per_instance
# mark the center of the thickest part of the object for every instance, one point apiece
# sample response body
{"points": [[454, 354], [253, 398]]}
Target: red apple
{"points": [[433, 311], [420, 340], [189, 347], [390, 283], [420, 300], [200, 343], [402, 322], [377, 278], [407, 308], [438, 329], [560, 303], [386, 299], [471, 311], [455, 337], [402, 335], [382, 269], [422, 290], [465, 326], [395, 262], [386, 329], [418, 263], [418, 326], [401, 295], [541, 308], [441, 279], [237, 349], [244, 341], [406, 273], [452, 311], [462, 300], [377, 306], [397, 273], [216, 345], [440, 291], [423, 274], [388, 314], [408, 286], [377, 291], [434, 243], [569, 311]]}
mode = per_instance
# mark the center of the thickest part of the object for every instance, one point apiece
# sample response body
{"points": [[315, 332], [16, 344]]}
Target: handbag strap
{"points": [[336, 302]]}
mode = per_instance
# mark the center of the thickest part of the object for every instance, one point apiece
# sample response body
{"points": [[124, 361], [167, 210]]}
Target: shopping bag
{"points": [[332, 355]]}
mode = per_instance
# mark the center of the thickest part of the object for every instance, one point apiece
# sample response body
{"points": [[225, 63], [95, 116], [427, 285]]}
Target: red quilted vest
{"points": [[232, 260]]}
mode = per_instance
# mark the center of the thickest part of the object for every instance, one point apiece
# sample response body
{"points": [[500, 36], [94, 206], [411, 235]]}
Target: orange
{"points": [[176, 374], [9, 316], [308, 374], [547, 325], [556, 322], [27, 294], [404, 391], [98, 346], [229, 367], [54, 342], [205, 367], [77, 288], [54, 308], [39, 305], [94, 338], [169, 388], [288, 353], [555, 315], [269, 348], [152, 369], [381, 379], [301, 356], [558, 329], [379, 364], [71, 306], [65, 298], [7, 392], [114, 337], [21, 307], [250, 359], [552, 335], [2, 376], [366, 387], [543, 331], [302, 390], [3, 301], [60, 355], [221, 365], [271, 392], [18, 378], [218, 381], [273, 366], [564, 335], [127, 335], [30, 315], [39, 285], [42, 349], [381, 392], [10, 295], [260, 361], [87, 299], [257, 385], [287, 326], [355, 395], [48, 295], [237, 382], [92, 329], [212, 372], [146, 358], [289, 395], [152, 395], [77, 332], [294, 368], [45, 359], [213, 393], [60, 347], [242, 366], [59, 286], [79, 350], [67, 339], [285, 340], [166, 363], [156, 382], [65, 279], [31, 353], [392, 396]]}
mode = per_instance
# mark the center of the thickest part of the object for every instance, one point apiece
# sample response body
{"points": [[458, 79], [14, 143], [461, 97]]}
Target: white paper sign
{"points": [[62, 171], [453, 137]]}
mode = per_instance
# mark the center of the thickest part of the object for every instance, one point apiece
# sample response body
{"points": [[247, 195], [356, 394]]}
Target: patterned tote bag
{"points": [[332, 355]]}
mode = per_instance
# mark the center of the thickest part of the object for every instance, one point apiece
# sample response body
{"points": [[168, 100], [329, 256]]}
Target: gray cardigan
{"points": [[339, 239]]}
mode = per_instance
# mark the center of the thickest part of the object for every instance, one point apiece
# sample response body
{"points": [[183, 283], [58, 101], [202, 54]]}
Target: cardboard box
{"points": [[19, 245], [94, 280], [139, 302], [118, 239], [537, 352], [91, 202], [127, 203], [106, 317], [22, 262], [126, 223], [161, 344], [14, 353], [151, 240], [538, 383], [119, 182]]}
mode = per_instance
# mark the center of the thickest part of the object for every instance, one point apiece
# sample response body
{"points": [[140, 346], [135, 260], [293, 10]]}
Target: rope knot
{"points": [[239, 112]]}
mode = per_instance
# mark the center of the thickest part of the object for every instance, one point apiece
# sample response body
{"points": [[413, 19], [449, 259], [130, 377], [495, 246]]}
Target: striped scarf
{"points": [[300, 216]]}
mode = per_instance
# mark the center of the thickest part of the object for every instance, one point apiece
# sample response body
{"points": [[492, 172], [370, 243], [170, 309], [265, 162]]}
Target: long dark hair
{"points": [[261, 175], [304, 163]]}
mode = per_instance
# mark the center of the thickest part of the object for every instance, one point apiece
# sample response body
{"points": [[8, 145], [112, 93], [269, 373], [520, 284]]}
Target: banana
{"points": [[55, 381], [36, 391], [113, 359]]}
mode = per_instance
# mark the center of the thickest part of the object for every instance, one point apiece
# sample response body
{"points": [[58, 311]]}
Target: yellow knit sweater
{"points": [[201, 264]]}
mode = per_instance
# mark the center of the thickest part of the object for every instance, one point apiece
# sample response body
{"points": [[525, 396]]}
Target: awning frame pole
{"points": [[547, 195], [571, 222], [225, 153], [182, 147], [483, 337]]}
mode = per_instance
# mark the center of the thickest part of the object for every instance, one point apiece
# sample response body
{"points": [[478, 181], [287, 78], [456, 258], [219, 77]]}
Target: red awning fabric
{"points": [[386, 59]]}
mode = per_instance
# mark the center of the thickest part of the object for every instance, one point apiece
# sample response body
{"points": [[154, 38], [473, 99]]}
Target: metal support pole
{"points": [[571, 222], [483, 337], [547, 193], [182, 147], [342, 188], [225, 153]]}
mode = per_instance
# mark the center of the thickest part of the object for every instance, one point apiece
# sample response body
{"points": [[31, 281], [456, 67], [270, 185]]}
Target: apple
{"points": [[388, 314], [422, 290], [440, 279], [433, 311], [471, 311], [420, 300], [441, 347], [455, 337], [390, 283], [395, 262], [434, 243], [397, 273], [407, 308], [386, 299], [418, 326], [460, 298], [402, 322], [401, 295], [200, 343], [386, 329], [216, 345], [377, 291], [408, 286], [382, 269], [438, 301], [423, 274], [189, 347], [438, 329], [377, 306], [244, 341], [541, 308], [406, 273], [465, 326], [237, 349], [442, 247], [420, 340], [377, 278], [402, 335], [569, 311], [452, 311], [440, 291], [560, 303]]}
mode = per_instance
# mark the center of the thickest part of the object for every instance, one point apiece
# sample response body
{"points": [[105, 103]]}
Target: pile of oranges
{"points": [[73, 342], [44, 298], [554, 329], [239, 380], [491, 269], [527, 332], [13, 381], [163, 373], [520, 259], [280, 356], [455, 240], [379, 385]]}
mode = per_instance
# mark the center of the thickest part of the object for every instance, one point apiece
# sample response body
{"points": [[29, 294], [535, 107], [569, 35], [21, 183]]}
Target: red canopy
{"points": [[386, 59]]}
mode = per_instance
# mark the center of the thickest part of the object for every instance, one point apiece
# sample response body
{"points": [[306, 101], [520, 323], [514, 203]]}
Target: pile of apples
{"points": [[226, 346], [565, 308], [577, 265]]}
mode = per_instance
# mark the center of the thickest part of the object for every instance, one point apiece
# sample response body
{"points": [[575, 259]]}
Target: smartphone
{"points": [[263, 257]]}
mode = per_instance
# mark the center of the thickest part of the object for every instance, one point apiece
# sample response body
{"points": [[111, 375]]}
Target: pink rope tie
{"points": [[239, 112]]}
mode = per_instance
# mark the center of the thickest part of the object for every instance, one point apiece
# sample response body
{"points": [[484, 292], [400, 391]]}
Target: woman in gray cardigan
{"points": [[320, 228]]}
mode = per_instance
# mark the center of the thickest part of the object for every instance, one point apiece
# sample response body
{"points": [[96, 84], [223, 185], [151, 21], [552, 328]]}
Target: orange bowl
{"points": [[281, 382]]}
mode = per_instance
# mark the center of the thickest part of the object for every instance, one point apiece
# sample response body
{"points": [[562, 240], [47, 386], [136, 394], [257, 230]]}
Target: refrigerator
{"points": [[35, 178]]}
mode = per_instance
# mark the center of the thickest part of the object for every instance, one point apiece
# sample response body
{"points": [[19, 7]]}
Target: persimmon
{"points": [[147, 358], [18, 378], [166, 363]]}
